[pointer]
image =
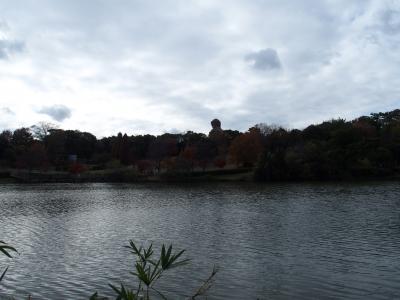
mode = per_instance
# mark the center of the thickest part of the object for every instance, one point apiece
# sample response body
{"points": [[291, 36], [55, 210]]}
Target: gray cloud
{"points": [[56, 112], [7, 110], [266, 59], [8, 46], [7, 118], [391, 21]]}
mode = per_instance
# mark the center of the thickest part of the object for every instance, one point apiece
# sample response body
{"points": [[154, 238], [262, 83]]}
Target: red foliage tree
{"points": [[220, 163], [77, 168]]}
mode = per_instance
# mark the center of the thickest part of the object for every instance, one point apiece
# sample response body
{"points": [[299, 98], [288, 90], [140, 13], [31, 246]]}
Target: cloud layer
{"points": [[149, 66]]}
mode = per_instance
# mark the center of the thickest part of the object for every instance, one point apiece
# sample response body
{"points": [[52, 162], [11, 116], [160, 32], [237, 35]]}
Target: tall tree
{"points": [[42, 129]]}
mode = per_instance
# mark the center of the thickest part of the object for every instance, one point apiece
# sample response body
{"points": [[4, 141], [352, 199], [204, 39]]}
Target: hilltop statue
{"points": [[218, 136], [216, 131]]}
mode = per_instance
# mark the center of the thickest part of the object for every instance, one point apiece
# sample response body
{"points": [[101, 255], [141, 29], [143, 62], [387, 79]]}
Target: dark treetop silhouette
{"points": [[367, 147]]}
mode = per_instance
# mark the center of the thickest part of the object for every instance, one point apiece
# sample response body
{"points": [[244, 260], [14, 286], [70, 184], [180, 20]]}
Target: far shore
{"points": [[128, 175], [125, 175]]}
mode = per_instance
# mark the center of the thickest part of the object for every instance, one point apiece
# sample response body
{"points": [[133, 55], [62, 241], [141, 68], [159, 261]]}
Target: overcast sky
{"points": [[170, 65]]}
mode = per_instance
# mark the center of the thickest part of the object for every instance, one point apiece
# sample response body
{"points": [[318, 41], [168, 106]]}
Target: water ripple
{"points": [[281, 241]]}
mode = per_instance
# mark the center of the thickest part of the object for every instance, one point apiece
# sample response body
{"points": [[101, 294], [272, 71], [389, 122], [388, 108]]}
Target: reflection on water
{"points": [[283, 241]]}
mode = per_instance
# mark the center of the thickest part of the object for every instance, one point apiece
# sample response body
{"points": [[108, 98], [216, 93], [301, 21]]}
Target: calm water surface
{"points": [[283, 241]]}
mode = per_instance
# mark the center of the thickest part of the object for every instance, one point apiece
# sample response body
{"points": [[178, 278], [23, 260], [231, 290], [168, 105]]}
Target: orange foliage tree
{"points": [[246, 148]]}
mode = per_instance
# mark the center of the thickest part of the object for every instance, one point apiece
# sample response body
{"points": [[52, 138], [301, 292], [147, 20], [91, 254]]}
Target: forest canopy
{"points": [[366, 147]]}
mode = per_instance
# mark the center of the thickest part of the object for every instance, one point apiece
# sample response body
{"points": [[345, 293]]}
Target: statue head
{"points": [[216, 124]]}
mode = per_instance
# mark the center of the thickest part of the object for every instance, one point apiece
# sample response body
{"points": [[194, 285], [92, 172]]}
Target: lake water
{"points": [[278, 241]]}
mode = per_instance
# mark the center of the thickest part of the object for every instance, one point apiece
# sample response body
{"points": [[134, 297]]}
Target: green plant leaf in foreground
{"points": [[148, 270], [6, 249]]}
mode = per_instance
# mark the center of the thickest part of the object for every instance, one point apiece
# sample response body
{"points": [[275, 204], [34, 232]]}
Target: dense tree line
{"points": [[46, 147], [366, 147]]}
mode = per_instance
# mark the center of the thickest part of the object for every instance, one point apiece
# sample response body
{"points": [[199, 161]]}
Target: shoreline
{"points": [[125, 176]]}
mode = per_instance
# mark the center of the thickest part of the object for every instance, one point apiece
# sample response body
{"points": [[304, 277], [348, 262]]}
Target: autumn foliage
{"points": [[367, 147], [77, 168], [246, 148]]}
